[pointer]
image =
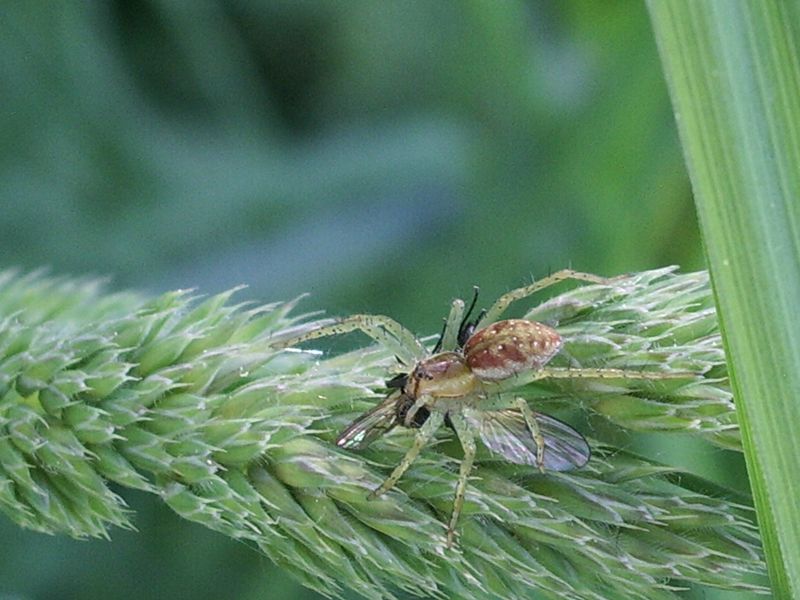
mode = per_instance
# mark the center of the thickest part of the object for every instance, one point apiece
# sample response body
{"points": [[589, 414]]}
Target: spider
{"points": [[464, 383]]}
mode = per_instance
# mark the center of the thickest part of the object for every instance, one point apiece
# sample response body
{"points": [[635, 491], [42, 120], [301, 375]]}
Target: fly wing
{"points": [[506, 433], [567, 448], [371, 425]]}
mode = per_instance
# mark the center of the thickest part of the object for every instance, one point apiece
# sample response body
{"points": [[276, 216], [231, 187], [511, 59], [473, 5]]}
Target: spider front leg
{"points": [[467, 439], [411, 413], [424, 434], [388, 332], [449, 338], [503, 302]]}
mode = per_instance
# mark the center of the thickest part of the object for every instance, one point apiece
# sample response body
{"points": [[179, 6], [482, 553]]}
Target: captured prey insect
{"points": [[465, 382]]}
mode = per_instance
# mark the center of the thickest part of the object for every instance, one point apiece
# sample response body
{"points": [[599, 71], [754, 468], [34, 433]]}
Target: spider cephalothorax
{"points": [[466, 382]]}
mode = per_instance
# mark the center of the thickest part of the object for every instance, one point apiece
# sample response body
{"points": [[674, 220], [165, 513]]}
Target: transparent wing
{"points": [[506, 433], [371, 425]]}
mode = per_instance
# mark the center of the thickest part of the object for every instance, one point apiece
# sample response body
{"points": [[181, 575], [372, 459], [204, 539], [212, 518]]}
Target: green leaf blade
{"points": [[734, 76]]}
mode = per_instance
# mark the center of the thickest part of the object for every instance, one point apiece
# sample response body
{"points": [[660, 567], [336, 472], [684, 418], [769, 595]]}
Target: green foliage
{"points": [[384, 157], [186, 399], [735, 82], [355, 142]]}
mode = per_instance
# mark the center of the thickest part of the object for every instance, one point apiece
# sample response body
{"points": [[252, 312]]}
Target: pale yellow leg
{"points": [[412, 412], [424, 434], [502, 303], [450, 334], [566, 373], [533, 427], [467, 440], [383, 330]]}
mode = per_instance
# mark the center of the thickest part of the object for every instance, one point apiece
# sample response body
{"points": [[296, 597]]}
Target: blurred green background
{"points": [[383, 156]]}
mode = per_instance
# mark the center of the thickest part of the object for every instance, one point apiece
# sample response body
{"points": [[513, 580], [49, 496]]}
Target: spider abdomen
{"points": [[508, 347]]}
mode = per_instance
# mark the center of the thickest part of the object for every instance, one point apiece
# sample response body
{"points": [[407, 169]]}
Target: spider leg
{"points": [[467, 439], [408, 420], [502, 303], [449, 339], [533, 427], [424, 434], [383, 330], [526, 377], [586, 373]]}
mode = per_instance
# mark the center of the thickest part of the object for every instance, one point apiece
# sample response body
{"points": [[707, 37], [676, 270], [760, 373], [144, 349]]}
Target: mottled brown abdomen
{"points": [[505, 348]]}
